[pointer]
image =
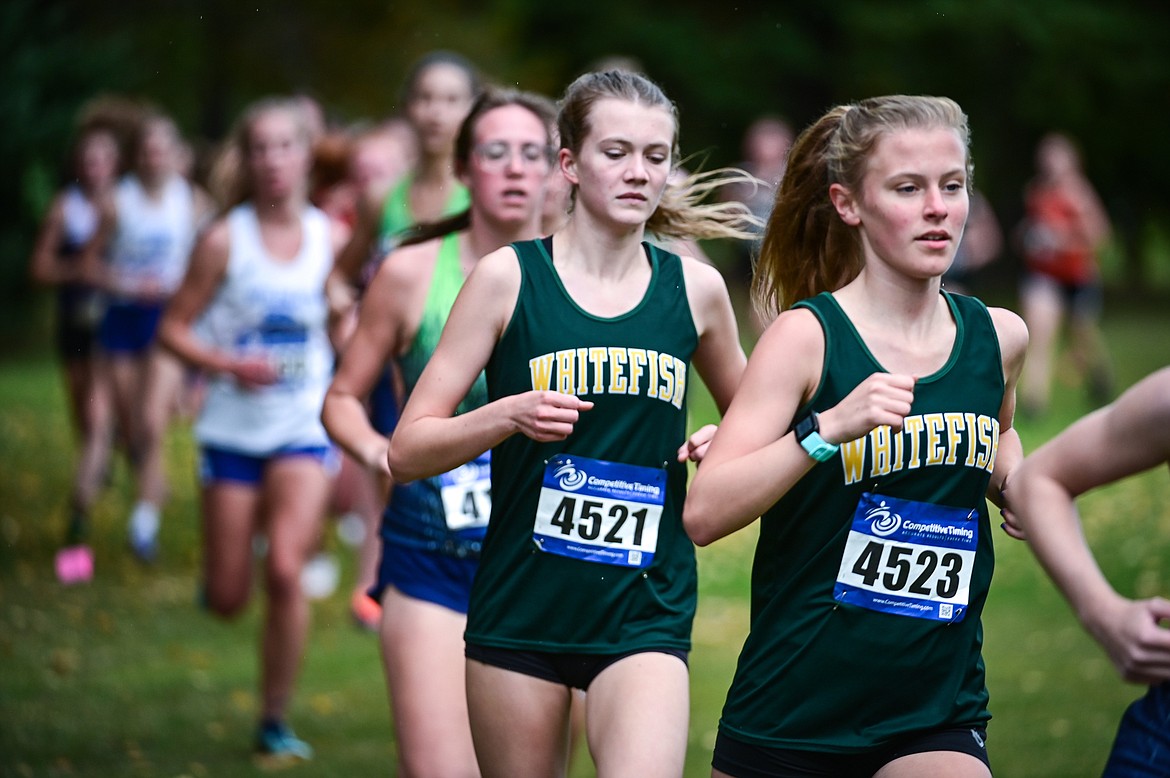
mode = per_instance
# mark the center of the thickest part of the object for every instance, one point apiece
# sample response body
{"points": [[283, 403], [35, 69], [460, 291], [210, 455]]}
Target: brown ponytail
{"points": [[807, 249]]}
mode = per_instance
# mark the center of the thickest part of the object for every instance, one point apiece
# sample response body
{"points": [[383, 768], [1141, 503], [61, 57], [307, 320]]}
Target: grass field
{"points": [[127, 676]]}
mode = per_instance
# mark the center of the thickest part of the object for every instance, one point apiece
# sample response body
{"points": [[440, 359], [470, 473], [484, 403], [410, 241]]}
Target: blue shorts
{"points": [[1142, 746], [425, 575], [575, 671], [747, 760], [217, 464], [129, 327]]}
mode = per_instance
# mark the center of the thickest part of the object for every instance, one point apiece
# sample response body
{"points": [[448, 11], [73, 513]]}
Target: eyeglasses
{"points": [[498, 155]]}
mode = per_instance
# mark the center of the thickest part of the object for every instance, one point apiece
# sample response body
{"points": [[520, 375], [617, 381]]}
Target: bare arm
{"points": [[341, 285], [719, 357], [93, 266], [429, 438], [1094, 221], [45, 267], [754, 459], [340, 298], [1013, 345], [381, 335], [204, 207], [205, 273], [1124, 438]]}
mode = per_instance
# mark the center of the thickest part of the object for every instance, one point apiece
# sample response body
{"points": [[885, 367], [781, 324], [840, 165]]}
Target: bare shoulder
{"points": [[795, 328], [339, 234], [57, 205], [405, 265], [1012, 333], [793, 343], [702, 276], [706, 290], [208, 266], [54, 215], [490, 293], [499, 270], [372, 198], [783, 372], [216, 238]]}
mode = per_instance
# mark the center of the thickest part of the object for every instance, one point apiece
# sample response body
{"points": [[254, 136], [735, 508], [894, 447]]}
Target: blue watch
{"points": [[808, 432]]}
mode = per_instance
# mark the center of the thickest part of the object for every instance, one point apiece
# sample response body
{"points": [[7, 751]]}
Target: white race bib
{"points": [[467, 494], [600, 511], [284, 343], [909, 558]]}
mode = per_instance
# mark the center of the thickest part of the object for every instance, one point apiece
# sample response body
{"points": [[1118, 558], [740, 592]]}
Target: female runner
{"points": [[70, 223], [437, 95], [433, 527], [138, 256], [587, 579], [257, 279], [873, 420]]}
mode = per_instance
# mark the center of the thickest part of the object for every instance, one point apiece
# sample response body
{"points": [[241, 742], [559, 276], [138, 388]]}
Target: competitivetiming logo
{"points": [[883, 521], [569, 478]]}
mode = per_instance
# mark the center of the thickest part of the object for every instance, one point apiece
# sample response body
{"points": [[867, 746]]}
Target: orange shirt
{"points": [[1055, 244]]}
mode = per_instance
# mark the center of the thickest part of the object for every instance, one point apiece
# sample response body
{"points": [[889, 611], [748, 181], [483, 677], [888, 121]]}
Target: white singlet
{"points": [[277, 310], [153, 238], [79, 218]]}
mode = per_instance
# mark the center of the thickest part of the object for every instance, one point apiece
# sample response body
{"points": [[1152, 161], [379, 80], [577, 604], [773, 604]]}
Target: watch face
{"points": [[806, 426]]}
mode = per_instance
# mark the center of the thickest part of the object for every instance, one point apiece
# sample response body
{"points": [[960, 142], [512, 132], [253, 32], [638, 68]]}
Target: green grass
{"points": [[127, 676]]}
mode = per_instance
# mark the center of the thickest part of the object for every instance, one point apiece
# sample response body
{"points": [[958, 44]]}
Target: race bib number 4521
{"points": [[600, 511], [909, 558]]}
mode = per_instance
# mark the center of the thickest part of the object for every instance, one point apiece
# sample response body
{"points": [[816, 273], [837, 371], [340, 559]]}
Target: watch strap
{"points": [[817, 447], [808, 433]]}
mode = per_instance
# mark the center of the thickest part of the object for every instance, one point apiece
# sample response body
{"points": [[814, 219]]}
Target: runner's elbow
{"points": [[697, 525], [400, 469]]}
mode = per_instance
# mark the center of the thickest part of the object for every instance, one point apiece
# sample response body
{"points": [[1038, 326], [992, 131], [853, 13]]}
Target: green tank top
{"points": [[821, 671], [396, 215], [599, 493], [446, 282], [420, 513]]}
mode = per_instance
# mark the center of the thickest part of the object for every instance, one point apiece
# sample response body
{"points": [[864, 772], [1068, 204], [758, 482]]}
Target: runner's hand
{"points": [[881, 399], [696, 445], [546, 416], [254, 372]]}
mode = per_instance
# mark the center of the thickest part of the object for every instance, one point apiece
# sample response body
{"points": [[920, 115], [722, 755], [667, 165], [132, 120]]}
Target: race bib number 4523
{"points": [[909, 558], [600, 511]]}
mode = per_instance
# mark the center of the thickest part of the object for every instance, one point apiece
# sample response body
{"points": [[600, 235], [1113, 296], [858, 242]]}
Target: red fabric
{"points": [[1056, 245]]}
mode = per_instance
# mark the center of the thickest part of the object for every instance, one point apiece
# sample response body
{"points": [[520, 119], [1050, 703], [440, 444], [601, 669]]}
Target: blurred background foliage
{"points": [[1097, 70]]}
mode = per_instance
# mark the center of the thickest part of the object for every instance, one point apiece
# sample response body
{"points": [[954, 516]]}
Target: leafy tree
{"points": [[1093, 69], [47, 69]]}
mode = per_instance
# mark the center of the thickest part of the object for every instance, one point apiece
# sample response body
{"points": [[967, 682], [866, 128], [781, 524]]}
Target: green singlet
{"points": [[446, 282], [418, 514], [820, 671], [396, 215], [534, 590]]}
